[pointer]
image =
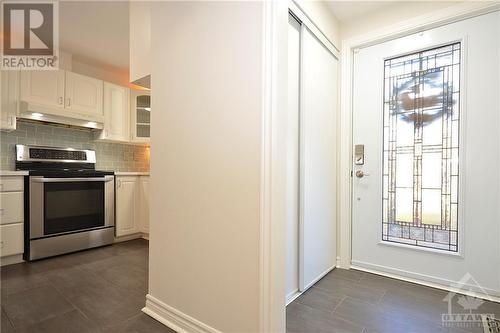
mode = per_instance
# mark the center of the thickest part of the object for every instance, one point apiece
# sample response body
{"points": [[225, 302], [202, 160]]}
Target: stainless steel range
{"points": [[70, 206]]}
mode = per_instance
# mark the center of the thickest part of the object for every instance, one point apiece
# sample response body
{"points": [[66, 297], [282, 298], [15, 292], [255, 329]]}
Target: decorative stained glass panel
{"points": [[421, 142]]}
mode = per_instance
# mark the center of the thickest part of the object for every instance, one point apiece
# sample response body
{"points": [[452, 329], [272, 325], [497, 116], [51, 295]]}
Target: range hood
{"points": [[46, 114]]}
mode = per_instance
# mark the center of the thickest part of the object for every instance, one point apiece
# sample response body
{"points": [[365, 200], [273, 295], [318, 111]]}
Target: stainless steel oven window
{"points": [[75, 204]]}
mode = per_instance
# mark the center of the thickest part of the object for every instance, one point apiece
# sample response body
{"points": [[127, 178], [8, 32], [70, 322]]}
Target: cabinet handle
{"points": [[60, 100], [68, 102], [1, 244]]}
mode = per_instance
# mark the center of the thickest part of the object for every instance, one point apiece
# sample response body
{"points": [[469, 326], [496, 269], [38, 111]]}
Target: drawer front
{"points": [[11, 239], [11, 207], [8, 184]]}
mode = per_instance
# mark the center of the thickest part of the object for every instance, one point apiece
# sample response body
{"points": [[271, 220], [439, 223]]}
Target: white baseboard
{"points": [[427, 280], [127, 237], [10, 260], [173, 318], [318, 278], [292, 296], [296, 293]]}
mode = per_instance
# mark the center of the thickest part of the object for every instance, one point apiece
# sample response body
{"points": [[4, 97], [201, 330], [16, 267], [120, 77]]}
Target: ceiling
{"points": [[347, 10], [95, 32]]}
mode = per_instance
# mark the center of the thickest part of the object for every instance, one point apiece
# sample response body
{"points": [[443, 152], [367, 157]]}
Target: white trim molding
{"points": [[313, 282], [292, 296], [273, 168], [350, 46], [305, 20], [173, 318], [428, 280]]}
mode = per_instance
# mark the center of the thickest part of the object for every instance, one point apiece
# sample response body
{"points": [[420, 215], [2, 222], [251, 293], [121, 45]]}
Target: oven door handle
{"points": [[71, 180]]}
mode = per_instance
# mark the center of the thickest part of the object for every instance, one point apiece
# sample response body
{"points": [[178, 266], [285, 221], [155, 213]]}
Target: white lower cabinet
{"points": [[11, 239], [144, 183], [126, 205], [131, 198], [11, 216], [11, 207]]}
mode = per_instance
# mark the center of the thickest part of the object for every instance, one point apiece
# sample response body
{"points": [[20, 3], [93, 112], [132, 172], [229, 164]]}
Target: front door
{"points": [[426, 197]]}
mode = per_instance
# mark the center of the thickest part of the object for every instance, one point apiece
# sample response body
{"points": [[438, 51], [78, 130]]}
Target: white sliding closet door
{"points": [[318, 105], [292, 162]]}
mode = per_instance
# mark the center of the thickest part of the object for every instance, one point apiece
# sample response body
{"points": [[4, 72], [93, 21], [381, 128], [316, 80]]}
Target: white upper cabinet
{"points": [[9, 87], [84, 95], [140, 42], [116, 113], [141, 115], [69, 98], [61, 93], [43, 87]]}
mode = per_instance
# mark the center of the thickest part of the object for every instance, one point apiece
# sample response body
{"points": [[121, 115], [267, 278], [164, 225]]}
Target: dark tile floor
{"points": [[99, 290], [103, 290], [354, 301]]}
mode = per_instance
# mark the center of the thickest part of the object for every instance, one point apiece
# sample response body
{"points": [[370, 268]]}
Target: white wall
{"points": [[73, 63], [393, 13], [323, 18], [206, 160], [140, 39], [116, 76]]}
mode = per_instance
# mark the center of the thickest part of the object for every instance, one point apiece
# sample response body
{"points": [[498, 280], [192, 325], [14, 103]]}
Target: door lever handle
{"points": [[361, 174]]}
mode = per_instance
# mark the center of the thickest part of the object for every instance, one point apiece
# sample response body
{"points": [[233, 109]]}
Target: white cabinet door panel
{"points": [[43, 87], [116, 113], [84, 95], [11, 239], [11, 207], [126, 206], [144, 218], [10, 183], [9, 99]]}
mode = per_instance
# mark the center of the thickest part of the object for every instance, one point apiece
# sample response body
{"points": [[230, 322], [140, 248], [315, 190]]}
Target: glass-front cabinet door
{"points": [[141, 115]]}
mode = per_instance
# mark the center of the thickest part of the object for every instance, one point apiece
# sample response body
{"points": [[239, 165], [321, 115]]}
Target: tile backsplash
{"points": [[109, 156]]}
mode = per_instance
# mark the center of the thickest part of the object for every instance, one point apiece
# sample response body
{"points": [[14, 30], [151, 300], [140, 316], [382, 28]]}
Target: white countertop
{"points": [[131, 173], [13, 173]]}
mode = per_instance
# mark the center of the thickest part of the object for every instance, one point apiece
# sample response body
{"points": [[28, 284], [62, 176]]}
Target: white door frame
{"points": [[273, 184], [350, 46]]}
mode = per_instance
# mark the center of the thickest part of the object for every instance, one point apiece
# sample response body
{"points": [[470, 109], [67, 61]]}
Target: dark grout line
{"points": [[8, 318], [336, 306], [382, 297]]}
